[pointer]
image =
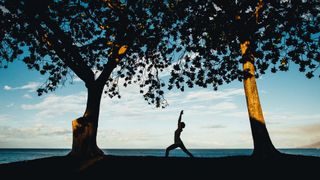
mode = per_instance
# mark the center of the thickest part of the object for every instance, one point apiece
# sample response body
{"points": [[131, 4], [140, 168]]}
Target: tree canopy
{"points": [[85, 38], [209, 35], [63, 38]]}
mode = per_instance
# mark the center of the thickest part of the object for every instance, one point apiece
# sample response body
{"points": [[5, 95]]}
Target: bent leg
{"points": [[173, 146], [184, 149]]}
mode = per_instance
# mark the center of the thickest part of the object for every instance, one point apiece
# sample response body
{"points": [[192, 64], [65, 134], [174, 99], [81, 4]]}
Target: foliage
{"points": [[200, 40], [62, 38], [208, 35]]}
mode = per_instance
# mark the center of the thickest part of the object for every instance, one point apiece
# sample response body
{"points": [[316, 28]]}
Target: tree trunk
{"points": [[84, 143], [263, 147]]}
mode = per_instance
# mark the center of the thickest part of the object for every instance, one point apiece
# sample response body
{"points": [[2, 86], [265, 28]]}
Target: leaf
{"points": [[309, 75], [284, 61], [123, 49]]}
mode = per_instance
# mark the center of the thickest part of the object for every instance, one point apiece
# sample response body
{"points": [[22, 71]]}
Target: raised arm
{"points": [[179, 120]]}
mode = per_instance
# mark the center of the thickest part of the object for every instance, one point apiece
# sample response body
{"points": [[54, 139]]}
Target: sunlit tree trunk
{"points": [[263, 147], [85, 128]]}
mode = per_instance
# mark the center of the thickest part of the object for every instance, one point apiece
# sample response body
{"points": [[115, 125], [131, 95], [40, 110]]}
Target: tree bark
{"points": [[263, 147], [84, 143]]}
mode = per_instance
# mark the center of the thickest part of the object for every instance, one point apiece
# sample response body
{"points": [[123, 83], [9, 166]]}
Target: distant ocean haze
{"points": [[14, 155]]}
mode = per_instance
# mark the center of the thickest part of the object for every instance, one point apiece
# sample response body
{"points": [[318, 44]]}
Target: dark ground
{"points": [[135, 167]]}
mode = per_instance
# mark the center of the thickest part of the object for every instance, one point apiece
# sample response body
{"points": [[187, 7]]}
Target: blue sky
{"points": [[213, 119]]}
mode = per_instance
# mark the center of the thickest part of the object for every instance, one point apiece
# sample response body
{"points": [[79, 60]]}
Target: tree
{"points": [[100, 41], [221, 41]]}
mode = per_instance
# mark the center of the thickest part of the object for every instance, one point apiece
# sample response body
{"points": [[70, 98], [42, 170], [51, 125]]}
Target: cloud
{"points": [[290, 134], [312, 145], [34, 131], [238, 114], [132, 104], [7, 88], [135, 138], [10, 105], [30, 86], [216, 126], [285, 117], [27, 96], [311, 128], [303, 117], [130, 122], [223, 106], [56, 132], [32, 134], [205, 95], [4, 117], [53, 105], [206, 102]]}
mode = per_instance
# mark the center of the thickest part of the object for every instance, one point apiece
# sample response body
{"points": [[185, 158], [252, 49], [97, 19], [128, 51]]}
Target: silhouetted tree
{"points": [[100, 41], [221, 41]]}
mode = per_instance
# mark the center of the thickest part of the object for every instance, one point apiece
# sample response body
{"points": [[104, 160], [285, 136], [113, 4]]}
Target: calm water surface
{"points": [[13, 155]]}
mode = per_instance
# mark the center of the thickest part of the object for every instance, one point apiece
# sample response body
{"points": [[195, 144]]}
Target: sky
{"points": [[214, 119]]}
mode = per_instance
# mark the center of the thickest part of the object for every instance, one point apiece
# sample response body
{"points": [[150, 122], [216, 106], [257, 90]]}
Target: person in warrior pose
{"points": [[177, 140]]}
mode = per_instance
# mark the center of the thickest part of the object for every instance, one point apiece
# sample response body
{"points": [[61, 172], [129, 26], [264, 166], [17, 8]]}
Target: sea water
{"points": [[14, 155]]}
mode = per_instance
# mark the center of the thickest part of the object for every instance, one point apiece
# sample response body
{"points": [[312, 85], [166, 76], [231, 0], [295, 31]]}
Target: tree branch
{"points": [[106, 72], [80, 67], [58, 48]]}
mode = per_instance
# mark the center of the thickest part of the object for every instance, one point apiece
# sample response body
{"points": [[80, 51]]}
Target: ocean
{"points": [[13, 155]]}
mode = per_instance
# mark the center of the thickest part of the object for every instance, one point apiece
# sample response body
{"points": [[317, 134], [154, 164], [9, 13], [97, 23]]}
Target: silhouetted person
{"points": [[177, 140]]}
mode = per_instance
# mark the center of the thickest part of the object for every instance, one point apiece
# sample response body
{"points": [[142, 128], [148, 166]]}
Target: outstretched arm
{"points": [[179, 120]]}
